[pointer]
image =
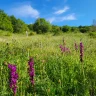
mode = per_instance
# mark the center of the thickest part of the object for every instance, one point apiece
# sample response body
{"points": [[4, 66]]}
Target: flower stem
{"points": [[14, 95]]}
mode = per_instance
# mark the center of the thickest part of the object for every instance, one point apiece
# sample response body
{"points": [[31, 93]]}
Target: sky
{"points": [[57, 12]]}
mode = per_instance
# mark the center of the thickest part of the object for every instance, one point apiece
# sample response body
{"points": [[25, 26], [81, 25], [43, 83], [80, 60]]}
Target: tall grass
{"points": [[56, 73]]}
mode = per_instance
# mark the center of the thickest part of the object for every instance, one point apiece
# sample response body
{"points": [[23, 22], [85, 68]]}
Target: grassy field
{"points": [[56, 73]]}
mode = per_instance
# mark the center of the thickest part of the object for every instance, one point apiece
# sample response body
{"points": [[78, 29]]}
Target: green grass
{"points": [[56, 74]]}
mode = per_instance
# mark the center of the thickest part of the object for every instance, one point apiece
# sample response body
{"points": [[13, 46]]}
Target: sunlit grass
{"points": [[56, 74]]}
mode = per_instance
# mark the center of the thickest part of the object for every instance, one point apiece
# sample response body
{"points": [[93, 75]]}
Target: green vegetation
{"points": [[10, 23], [92, 34], [56, 74], [5, 23], [40, 26]]}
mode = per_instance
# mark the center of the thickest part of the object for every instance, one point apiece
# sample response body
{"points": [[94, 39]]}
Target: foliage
{"points": [[5, 23], [8, 34], [66, 28], [13, 21], [12, 24], [32, 33], [20, 26], [30, 26], [55, 28], [56, 74], [5, 33], [84, 29], [74, 29], [92, 34], [58, 33], [41, 26]]}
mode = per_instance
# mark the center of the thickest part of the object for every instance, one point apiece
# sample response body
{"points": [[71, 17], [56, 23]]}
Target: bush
{"points": [[66, 28], [58, 33], [32, 33], [92, 34], [8, 34], [5, 33]]}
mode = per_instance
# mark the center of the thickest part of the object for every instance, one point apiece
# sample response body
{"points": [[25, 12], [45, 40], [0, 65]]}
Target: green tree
{"points": [[66, 28], [20, 26], [41, 26], [84, 29], [55, 28], [5, 22], [13, 21], [30, 26], [74, 29]]}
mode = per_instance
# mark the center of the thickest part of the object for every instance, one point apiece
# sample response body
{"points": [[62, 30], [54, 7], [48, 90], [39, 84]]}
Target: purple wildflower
{"points": [[64, 49], [81, 51], [61, 46], [67, 50], [31, 70], [13, 78]]}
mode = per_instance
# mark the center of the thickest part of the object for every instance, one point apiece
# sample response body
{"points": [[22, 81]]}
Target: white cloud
{"points": [[52, 19], [25, 11], [61, 10], [68, 17], [63, 18]]}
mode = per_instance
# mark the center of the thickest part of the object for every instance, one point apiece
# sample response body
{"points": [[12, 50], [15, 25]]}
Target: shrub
{"points": [[58, 33], [66, 28], [5, 33], [32, 33], [8, 34], [92, 34]]}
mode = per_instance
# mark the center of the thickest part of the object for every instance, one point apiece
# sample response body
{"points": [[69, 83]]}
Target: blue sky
{"points": [[57, 12]]}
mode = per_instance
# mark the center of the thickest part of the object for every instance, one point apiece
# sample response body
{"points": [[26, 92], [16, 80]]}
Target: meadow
{"points": [[57, 73]]}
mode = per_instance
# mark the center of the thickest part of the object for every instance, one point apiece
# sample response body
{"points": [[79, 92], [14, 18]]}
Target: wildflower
{"points": [[64, 49], [13, 78], [31, 70], [67, 50], [81, 51], [61, 46]]}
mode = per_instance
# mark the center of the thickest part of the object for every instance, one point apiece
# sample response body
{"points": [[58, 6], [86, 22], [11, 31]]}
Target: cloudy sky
{"points": [[58, 12]]}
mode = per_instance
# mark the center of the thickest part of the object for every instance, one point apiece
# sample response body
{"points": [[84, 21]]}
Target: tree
{"points": [[13, 21], [74, 29], [66, 28], [84, 29], [30, 26], [20, 26], [41, 26], [5, 22], [55, 28]]}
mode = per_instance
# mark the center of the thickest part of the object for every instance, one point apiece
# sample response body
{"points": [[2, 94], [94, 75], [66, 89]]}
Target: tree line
{"points": [[12, 24]]}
